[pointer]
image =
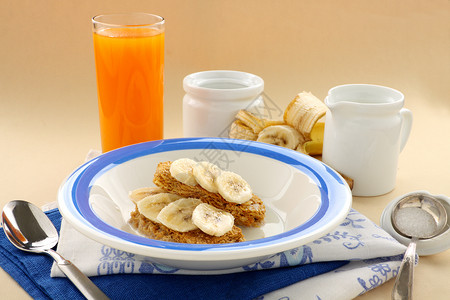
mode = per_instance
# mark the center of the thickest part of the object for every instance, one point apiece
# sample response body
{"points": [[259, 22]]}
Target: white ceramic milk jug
{"points": [[366, 128]]}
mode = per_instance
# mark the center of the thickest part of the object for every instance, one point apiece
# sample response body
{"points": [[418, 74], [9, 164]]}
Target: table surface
{"points": [[48, 104]]}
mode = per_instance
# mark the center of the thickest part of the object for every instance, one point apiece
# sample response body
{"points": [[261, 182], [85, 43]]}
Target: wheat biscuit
{"points": [[160, 232], [250, 213]]}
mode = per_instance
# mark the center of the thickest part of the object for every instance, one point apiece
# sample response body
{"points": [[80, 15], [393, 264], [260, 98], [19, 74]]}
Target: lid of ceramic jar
{"points": [[223, 84]]}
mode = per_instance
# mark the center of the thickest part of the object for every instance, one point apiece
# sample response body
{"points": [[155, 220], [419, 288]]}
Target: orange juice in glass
{"points": [[129, 59]]}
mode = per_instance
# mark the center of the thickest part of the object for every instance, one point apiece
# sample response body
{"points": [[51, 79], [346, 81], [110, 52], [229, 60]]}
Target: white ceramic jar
{"points": [[213, 99]]}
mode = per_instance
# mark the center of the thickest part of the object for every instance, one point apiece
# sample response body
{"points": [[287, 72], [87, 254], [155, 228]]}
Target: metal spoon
{"points": [[29, 229], [417, 216]]}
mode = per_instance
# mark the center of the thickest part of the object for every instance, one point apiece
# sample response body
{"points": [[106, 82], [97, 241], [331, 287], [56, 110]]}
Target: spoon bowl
{"points": [[25, 231], [29, 229], [417, 216]]}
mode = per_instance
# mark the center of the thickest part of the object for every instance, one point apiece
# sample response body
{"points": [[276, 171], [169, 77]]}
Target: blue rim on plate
{"points": [[335, 193]]}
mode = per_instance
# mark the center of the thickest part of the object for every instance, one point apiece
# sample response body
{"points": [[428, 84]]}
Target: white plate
{"points": [[304, 199]]}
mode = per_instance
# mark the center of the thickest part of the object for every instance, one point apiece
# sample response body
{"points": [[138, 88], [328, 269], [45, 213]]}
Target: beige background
{"points": [[48, 100]]}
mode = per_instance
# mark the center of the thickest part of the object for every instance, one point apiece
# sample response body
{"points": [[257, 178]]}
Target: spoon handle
{"points": [[80, 280], [404, 281]]}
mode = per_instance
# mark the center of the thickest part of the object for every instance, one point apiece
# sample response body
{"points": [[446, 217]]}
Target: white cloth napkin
{"points": [[375, 258]]}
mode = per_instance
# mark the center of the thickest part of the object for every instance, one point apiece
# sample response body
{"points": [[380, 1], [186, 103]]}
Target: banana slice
{"points": [[303, 112], [151, 205], [241, 131], [233, 188], [181, 170], [255, 123], [205, 174], [139, 194], [281, 135], [178, 214], [211, 220]]}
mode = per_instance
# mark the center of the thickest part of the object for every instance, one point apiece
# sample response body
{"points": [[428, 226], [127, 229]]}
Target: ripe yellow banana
{"points": [[299, 130]]}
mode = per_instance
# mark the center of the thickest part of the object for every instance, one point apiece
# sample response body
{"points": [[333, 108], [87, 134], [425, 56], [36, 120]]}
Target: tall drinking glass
{"points": [[129, 59]]}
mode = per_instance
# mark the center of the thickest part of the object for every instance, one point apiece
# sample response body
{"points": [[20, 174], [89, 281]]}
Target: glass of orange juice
{"points": [[129, 59]]}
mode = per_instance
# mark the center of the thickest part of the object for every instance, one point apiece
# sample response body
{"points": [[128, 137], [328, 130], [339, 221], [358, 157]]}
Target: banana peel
{"points": [[304, 112], [240, 130], [254, 122], [315, 145]]}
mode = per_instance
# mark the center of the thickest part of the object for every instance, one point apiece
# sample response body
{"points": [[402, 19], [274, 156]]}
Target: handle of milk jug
{"points": [[407, 119]]}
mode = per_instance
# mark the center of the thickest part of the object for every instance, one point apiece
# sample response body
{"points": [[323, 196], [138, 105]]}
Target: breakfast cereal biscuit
{"points": [[160, 232], [250, 213]]}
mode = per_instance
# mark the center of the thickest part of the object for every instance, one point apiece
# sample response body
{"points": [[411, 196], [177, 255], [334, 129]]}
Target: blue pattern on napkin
{"points": [[32, 272], [382, 272], [343, 239]]}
